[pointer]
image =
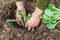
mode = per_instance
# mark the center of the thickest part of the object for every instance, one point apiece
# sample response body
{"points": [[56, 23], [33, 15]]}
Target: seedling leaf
{"points": [[50, 26], [49, 12], [20, 13], [10, 20]]}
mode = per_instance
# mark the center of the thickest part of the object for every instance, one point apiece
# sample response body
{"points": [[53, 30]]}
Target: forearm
{"points": [[20, 6], [42, 4], [18, 0]]}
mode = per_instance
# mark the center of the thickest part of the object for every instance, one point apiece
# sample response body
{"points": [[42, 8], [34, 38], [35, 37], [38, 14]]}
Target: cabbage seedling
{"points": [[51, 16]]}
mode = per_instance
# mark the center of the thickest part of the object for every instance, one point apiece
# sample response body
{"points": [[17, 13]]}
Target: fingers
{"points": [[32, 23], [29, 26], [26, 26], [19, 20]]}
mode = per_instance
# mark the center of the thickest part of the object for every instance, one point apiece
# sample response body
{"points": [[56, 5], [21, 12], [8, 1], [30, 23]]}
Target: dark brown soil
{"points": [[11, 31]]}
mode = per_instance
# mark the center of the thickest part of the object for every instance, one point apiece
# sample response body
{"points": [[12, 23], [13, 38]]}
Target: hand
{"points": [[34, 20], [19, 20], [20, 6], [32, 23]]}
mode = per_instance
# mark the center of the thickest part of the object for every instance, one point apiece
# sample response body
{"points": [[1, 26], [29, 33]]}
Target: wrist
{"points": [[20, 5], [37, 12]]}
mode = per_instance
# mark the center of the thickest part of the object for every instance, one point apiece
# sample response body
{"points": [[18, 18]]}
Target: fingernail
{"points": [[29, 28]]}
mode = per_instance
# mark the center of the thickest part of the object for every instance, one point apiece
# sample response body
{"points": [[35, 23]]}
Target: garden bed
{"points": [[12, 31]]}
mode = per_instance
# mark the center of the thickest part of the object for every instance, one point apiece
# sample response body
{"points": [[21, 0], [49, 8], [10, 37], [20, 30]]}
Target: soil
{"points": [[12, 31]]}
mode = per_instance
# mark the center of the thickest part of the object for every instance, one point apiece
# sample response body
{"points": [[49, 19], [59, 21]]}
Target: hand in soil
{"points": [[20, 6], [34, 20]]}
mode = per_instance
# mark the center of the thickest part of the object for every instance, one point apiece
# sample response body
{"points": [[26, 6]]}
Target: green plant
{"points": [[24, 16], [51, 16]]}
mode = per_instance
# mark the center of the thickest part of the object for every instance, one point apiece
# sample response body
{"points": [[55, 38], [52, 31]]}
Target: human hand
{"points": [[20, 6], [34, 20]]}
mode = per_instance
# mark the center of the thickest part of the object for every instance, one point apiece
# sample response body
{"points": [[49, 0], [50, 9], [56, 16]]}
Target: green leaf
{"points": [[56, 12], [49, 12], [50, 26], [53, 21], [11, 20], [52, 7], [46, 17], [19, 10], [45, 21], [57, 17], [20, 13], [25, 18], [51, 16], [29, 15]]}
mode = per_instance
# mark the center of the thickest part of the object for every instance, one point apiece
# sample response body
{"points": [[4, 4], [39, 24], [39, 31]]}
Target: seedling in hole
{"points": [[25, 17]]}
